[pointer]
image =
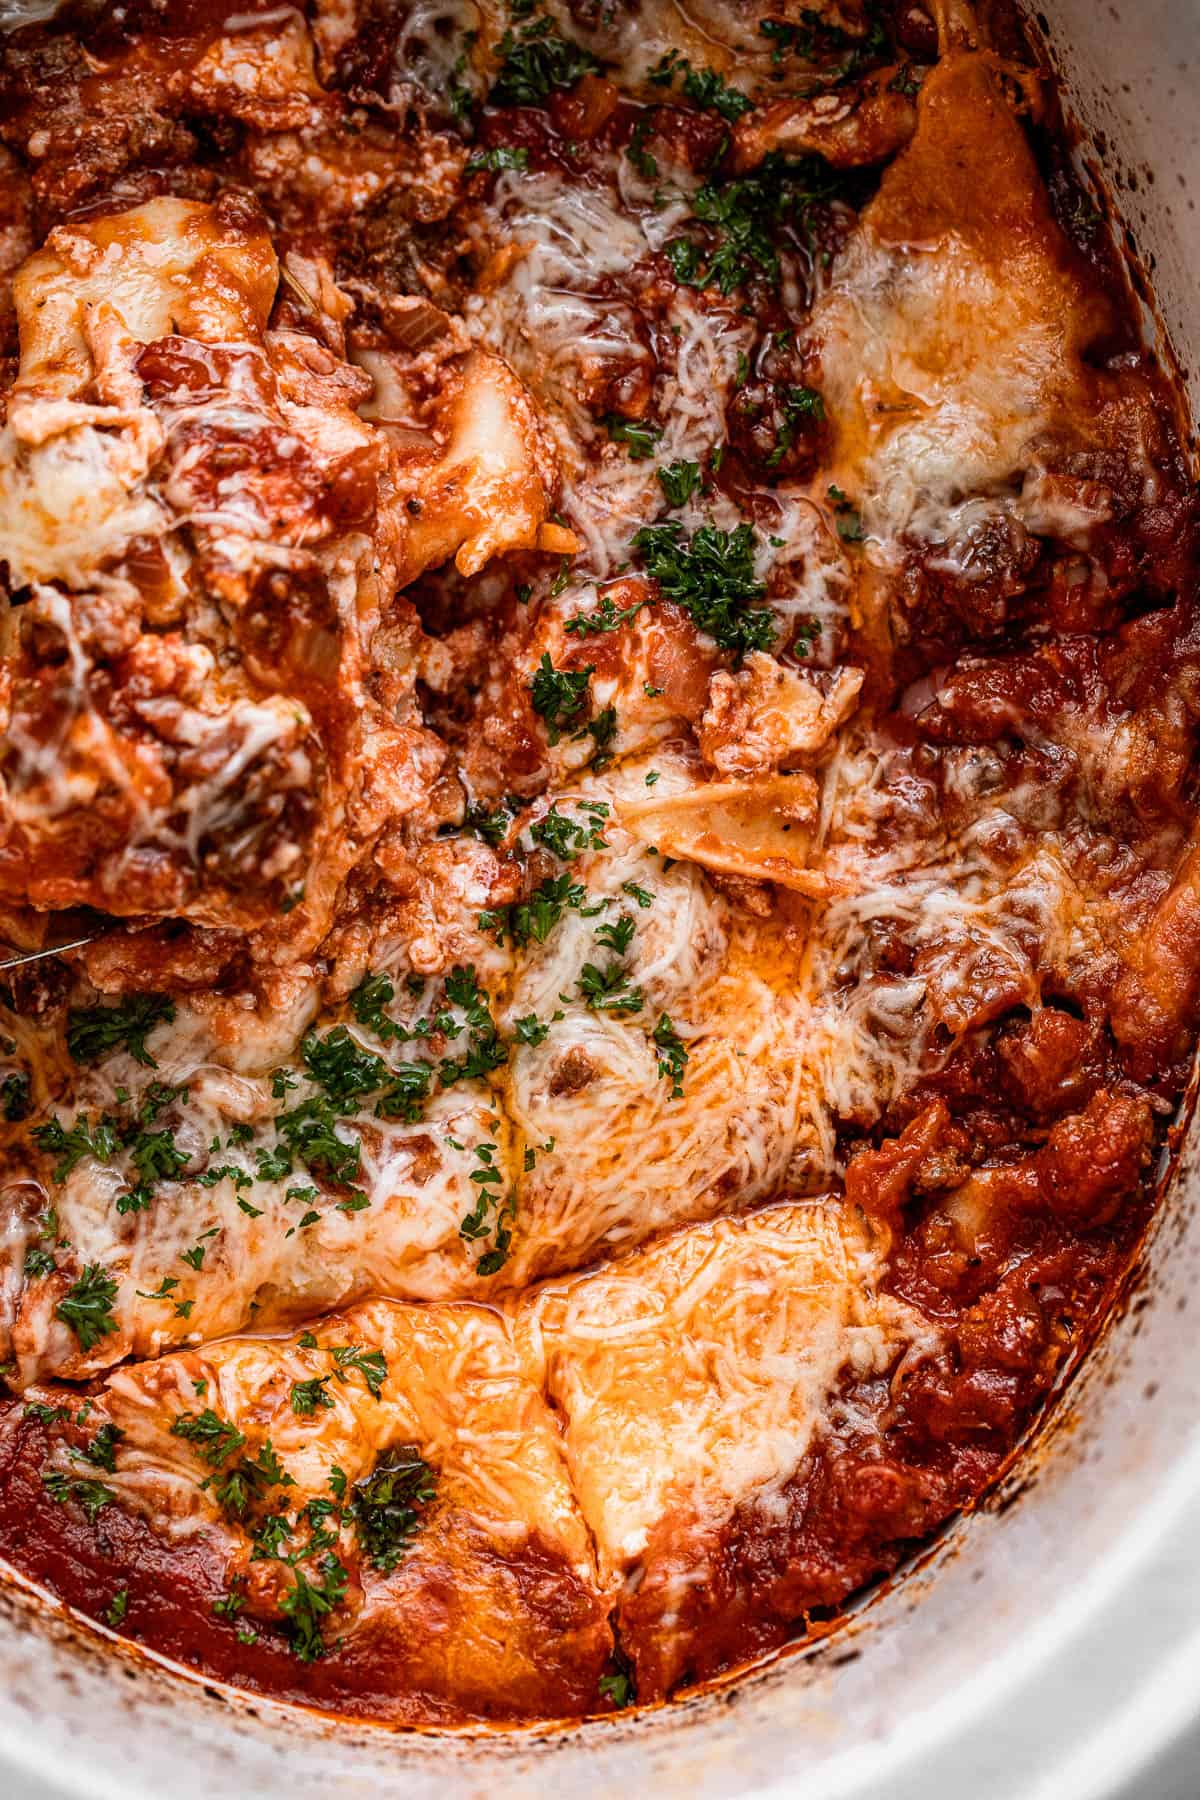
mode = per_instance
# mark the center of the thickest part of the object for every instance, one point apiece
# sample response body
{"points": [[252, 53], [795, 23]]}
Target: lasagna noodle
{"points": [[495, 1609], [694, 1378]]}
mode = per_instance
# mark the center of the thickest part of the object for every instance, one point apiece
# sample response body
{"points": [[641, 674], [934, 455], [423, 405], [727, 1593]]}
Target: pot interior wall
{"points": [[1047, 1646]]}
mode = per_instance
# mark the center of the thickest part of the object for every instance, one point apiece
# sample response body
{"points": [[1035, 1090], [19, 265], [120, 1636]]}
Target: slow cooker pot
{"points": [[1048, 1645]]}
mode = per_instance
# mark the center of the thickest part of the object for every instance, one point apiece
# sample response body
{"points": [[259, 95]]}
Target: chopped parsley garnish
{"points": [[249, 1479], [743, 218], [118, 1607], [711, 575], [705, 88], [679, 481], [492, 1209], [307, 1604], [214, 1437], [14, 1097], [93, 1496], [846, 516], [491, 826], [605, 617], [642, 895], [566, 838], [559, 696], [639, 436], [101, 1450], [617, 1687], [307, 1396], [156, 1158], [367, 1003], [386, 1505], [602, 730], [164, 1290], [531, 921], [672, 1057], [194, 1258], [38, 1263], [99, 1140], [535, 61], [45, 1415], [799, 404], [87, 1307], [608, 990], [617, 937], [93, 1031], [530, 1030], [501, 156], [370, 1364]]}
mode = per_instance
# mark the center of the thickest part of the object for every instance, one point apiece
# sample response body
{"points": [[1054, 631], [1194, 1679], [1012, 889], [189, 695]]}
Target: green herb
{"points": [[672, 1057], [308, 1604], [492, 826], [501, 156], [39, 1263], [566, 838], [337, 1482], [367, 1003], [156, 1158], [101, 1451], [215, 1438], [165, 1288], [14, 1098], [605, 617], [846, 516], [531, 921], [93, 1496], [642, 895], [371, 1365], [339, 1065], [93, 1031], [535, 61], [212, 1177], [492, 1210], [617, 937], [704, 87], [194, 1258], [744, 217], [72, 1146], [618, 1688], [799, 404], [45, 1415], [608, 990], [638, 435], [711, 575], [309, 1136], [115, 1615], [679, 481], [636, 150], [248, 1480], [230, 1603], [530, 1030], [87, 1307], [602, 730], [307, 1396], [387, 1505], [559, 695]]}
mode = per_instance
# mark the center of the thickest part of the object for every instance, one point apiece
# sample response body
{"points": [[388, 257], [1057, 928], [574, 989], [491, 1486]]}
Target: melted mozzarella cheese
{"points": [[694, 1376], [954, 329]]}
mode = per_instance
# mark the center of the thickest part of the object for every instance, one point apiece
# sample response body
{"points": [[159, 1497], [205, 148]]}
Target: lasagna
{"points": [[599, 895]]}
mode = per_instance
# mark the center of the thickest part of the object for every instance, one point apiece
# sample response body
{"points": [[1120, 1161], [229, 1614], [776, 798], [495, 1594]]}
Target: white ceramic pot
{"points": [[1048, 1646]]}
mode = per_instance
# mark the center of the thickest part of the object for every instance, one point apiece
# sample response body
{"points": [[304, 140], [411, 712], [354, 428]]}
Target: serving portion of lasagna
{"points": [[599, 897]]}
